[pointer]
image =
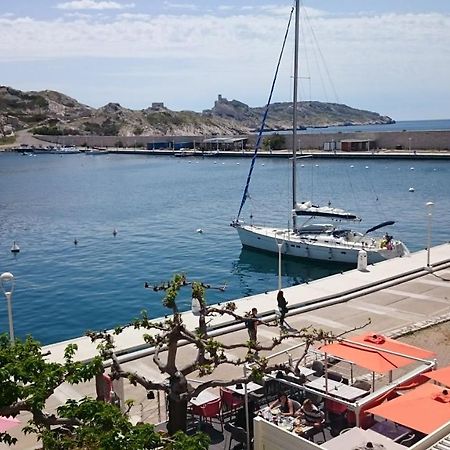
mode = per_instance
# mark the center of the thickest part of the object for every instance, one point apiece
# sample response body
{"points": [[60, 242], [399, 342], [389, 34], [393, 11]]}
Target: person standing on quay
{"points": [[252, 323], [282, 306]]}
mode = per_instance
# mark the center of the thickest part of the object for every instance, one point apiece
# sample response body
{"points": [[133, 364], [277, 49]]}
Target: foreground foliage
{"points": [[27, 380]]}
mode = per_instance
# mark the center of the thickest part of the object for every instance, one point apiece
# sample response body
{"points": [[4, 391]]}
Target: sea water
{"points": [[158, 205]]}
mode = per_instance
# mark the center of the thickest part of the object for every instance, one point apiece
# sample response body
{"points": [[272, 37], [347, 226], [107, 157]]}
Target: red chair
{"points": [[212, 410], [230, 401]]}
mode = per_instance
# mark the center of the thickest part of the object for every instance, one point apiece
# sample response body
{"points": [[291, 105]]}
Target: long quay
{"points": [[395, 294]]}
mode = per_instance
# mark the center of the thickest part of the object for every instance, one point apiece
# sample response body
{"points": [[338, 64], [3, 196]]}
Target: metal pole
{"points": [[158, 396], [294, 115], [8, 278], [430, 216], [10, 317], [279, 265], [247, 418]]}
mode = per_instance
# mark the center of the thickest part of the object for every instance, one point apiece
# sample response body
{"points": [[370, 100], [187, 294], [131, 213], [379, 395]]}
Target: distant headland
{"points": [[53, 113]]}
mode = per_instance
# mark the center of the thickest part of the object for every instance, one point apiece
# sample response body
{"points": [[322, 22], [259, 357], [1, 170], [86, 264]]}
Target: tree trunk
{"points": [[177, 415], [177, 403]]}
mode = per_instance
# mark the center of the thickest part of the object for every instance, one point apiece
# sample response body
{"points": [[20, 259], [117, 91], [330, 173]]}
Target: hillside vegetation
{"points": [[52, 113]]}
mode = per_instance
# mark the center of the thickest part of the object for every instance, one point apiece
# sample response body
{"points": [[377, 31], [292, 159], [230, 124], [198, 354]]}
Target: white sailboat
{"points": [[311, 240]]}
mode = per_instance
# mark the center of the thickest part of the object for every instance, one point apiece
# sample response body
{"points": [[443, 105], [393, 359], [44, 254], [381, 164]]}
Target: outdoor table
{"points": [[251, 387], [391, 430], [203, 398], [336, 388], [296, 426]]}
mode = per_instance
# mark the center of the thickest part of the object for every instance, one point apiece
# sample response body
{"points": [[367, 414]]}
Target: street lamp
{"points": [[430, 216], [7, 283], [280, 243]]}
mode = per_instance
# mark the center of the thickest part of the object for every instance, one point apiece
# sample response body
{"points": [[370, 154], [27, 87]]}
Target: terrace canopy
{"points": [[440, 375], [376, 352], [424, 409]]}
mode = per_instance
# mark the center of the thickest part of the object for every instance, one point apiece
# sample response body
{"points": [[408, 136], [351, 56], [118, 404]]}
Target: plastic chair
{"points": [[318, 368], [317, 430], [230, 401], [335, 376], [271, 390], [296, 405], [237, 434], [362, 384], [209, 411], [408, 440]]}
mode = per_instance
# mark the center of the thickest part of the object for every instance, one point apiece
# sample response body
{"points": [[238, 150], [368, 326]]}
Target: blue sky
{"points": [[388, 56]]}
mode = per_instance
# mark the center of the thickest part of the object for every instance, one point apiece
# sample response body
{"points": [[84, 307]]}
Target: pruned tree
{"points": [[166, 336]]}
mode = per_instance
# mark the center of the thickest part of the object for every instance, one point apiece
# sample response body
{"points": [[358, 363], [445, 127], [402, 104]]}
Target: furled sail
{"points": [[308, 209]]}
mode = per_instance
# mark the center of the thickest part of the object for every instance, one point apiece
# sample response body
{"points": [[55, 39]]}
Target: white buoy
{"points": [[237, 164], [199, 230], [411, 168], [351, 166], [411, 189], [317, 165], [262, 164], [302, 165], [15, 248], [367, 167]]}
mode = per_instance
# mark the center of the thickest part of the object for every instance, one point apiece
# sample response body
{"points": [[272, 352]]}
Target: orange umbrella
{"points": [[424, 409], [376, 358], [440, 375]]}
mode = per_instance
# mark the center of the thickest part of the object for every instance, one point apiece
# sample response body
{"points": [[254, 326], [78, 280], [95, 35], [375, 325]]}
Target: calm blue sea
{"points": [[402, 125], [157, 204]]}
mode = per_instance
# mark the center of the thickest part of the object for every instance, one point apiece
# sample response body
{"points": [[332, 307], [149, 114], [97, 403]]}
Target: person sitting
{"points": [[311, 413], [284, 404]]}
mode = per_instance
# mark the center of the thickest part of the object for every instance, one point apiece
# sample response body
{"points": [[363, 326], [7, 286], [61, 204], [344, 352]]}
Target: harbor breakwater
{"points": [[389, 140]]}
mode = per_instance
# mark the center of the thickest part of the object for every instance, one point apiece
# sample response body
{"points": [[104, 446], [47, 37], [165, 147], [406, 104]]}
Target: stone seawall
{"points": [[416, 140]]}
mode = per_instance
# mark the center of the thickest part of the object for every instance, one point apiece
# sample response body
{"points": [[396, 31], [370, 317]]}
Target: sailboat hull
{"points": [[320, 246]]}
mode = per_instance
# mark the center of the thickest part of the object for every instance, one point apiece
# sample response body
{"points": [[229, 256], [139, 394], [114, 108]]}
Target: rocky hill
{"points": [[53, 113]]}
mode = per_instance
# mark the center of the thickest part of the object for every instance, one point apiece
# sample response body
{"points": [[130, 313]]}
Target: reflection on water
{"points": [[257, 264]]}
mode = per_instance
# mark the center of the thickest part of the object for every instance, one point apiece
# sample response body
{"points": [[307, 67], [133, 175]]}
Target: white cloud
{"points": [[92, 4], [189, 6], [376, 62]]}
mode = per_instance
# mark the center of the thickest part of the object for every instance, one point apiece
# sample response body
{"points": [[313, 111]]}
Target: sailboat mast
{"points": [[294, 115]]}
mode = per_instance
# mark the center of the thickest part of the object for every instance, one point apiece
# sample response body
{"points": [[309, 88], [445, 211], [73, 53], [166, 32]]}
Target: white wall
{"points": [[270, 437]]}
